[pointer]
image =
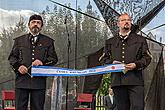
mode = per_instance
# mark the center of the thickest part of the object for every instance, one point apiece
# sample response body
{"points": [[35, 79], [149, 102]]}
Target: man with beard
{"points": [[32, 49], [132, 50]]}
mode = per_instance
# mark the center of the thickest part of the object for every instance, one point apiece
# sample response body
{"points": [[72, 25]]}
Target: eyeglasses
{"points": [[125, 20]]}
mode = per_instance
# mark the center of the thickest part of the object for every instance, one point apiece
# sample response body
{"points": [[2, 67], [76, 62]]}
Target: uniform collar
{"points": [[131, 39], [36, 38], [124, 37]]}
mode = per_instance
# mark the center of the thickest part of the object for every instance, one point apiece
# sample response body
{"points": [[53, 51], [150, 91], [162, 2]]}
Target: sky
{"points": [[158, 20], [10, 11], [36, 5]]}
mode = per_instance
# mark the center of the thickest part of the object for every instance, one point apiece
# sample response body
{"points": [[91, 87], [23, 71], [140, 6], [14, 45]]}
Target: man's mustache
{"points": [[35, 27], [126, 24]]}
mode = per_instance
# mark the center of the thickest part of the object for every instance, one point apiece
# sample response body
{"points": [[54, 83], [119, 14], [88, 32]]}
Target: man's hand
{"points": [[23, 69], [37, 63], [130, 66]]}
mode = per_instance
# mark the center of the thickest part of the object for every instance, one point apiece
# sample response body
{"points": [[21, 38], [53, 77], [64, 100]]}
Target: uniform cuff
{"points": [[16, 66], [138, 65]]}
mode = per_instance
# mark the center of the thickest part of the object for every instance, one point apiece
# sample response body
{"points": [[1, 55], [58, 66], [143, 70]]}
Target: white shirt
{"points": [[35, 36], [111, 98]]}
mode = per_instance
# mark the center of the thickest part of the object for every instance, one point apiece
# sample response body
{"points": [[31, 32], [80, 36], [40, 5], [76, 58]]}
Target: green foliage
{"points": [[103, 90]]}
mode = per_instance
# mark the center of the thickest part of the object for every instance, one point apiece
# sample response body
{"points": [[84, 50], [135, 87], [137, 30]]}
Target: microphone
{"points": [[65, 20]]}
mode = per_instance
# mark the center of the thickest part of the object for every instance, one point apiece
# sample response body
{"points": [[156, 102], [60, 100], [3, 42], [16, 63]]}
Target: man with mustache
{"points": [[32, 49], [132, 50]]}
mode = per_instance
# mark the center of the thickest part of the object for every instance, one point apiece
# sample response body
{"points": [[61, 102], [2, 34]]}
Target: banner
{"points": [[155, 96], [53, 71], [109, 14]]}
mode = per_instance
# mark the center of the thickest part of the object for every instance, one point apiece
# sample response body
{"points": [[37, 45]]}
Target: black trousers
{"points": [[129, 97], [37, 99]]}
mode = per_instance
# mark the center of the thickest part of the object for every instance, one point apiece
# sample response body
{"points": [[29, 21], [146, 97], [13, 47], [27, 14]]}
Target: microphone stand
{"points": [[76, 47], [68, 52]]}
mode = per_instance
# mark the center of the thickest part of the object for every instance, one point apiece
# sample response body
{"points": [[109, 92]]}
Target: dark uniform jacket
{"points": [[133, 49], [24, 52], [108, 104]]}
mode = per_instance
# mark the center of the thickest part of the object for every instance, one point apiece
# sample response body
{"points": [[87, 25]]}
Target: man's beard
{"points": [[126, 27], [35, 30]]}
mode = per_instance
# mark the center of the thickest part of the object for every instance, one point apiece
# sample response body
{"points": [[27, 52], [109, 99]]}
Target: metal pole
{"points": [[68, 64]]}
